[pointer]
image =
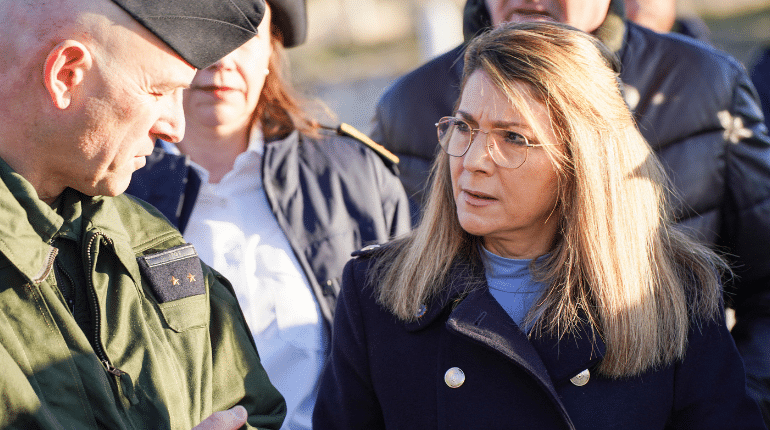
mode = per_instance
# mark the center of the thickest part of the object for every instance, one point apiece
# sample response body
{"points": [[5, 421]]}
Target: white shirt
{"points": [[236, 233]]}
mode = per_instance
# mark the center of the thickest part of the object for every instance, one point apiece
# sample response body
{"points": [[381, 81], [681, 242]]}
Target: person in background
{"points": [[108, 319], [546, 286], [661, 16], [706, 127], [274, 201]]}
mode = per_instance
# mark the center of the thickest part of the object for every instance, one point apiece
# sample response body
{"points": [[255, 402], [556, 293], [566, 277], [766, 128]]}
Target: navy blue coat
{"points": [[698, 110], [384, 373], [331, 195]]}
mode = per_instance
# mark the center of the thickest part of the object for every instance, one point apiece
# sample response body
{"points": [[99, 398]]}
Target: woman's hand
{"points": [[231, 419]]}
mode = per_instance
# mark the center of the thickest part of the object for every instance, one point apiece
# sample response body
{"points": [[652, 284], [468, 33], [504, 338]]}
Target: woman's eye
{"points": [[462, 127], [512, 137]]}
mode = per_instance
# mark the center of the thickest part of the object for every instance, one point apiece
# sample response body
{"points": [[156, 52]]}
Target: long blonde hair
{"points": [[618, 264]]}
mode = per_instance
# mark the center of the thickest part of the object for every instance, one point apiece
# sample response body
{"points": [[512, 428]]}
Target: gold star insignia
{"points": [[174, 281], [191, 277]]}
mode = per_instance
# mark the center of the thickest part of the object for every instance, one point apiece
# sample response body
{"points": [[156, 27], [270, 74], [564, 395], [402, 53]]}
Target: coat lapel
{"points": [[480, 317], [474, 313], [574, 353]]}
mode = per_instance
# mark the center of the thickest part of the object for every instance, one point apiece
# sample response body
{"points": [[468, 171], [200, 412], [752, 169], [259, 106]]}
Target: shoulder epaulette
{"points": [[350, 131], [365, 251]]}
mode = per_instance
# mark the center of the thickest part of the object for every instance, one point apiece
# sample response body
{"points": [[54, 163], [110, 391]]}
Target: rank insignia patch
{"points": [[174, 273]]}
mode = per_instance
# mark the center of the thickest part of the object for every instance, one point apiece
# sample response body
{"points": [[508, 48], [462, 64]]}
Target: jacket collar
{"points": [[574, 352], [472, 311], [30, 225], [480, 317], [462, 278], [280, 166], [611, 31]]}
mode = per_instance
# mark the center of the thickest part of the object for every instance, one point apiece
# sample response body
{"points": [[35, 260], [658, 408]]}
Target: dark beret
{"points": [[200, 31], [290, 16]]}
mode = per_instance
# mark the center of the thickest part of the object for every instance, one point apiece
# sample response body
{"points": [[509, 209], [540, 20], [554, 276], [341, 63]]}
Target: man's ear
{"points": [[65, 69]]}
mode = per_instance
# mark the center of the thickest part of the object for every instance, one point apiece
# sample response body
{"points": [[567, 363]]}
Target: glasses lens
{"points": [[508, 148], [454, 136]]}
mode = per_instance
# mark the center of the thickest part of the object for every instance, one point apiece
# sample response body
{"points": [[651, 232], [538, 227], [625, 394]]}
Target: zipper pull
{"points": [[125, 382]]}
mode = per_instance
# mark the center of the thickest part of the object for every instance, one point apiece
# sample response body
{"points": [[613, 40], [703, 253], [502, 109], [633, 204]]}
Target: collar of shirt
{"points": [[499, 267], [252, 154]]}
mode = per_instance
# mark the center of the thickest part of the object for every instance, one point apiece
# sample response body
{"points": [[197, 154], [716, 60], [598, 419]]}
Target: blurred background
{"points": [[356, 48]]}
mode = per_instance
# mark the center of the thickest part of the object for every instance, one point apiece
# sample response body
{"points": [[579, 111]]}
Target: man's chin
{"points": [[111, 188], [139, 162]]}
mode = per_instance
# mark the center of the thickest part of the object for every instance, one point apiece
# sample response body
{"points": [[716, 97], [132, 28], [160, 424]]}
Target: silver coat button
{"points": [[581, 378], [454, 377]]}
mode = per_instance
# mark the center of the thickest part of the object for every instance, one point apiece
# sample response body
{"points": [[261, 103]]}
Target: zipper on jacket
{"points": [[61, 276], [125, 382], [48, 266], [122, 379]]}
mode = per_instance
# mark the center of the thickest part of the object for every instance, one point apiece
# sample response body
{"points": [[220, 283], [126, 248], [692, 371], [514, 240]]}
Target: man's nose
{"points": [[170, 124]]}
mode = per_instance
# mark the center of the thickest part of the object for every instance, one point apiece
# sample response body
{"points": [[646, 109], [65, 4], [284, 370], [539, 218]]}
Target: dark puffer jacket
{"points": [[331, 196], [697, 108]]}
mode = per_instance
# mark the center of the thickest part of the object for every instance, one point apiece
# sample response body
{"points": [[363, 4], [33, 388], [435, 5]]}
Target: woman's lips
{"points": [[528, 15], [215, 90], [476, 198]]}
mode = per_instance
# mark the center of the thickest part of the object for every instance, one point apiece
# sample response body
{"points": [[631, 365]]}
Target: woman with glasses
{"points": [[546, 286]]}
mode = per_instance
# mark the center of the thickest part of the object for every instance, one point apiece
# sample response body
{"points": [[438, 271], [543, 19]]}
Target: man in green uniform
{"points": [[107, 318]]}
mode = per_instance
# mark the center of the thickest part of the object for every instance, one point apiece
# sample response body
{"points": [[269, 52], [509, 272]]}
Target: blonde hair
{"points": [[618, 264]]}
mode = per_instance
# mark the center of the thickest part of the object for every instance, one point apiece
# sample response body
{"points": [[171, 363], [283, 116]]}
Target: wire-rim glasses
{"points": [[507, 148]]}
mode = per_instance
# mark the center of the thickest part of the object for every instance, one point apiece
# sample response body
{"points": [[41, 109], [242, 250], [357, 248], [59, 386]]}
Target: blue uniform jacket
{"points": [[331, 195], [384, 373]]}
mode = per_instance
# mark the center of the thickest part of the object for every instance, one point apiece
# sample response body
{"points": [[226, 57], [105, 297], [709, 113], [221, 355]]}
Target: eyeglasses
{"points": [[507, 148]]}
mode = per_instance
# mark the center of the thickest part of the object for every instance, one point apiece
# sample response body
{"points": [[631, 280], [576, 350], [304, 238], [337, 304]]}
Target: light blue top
{"points": [[511, 284]]}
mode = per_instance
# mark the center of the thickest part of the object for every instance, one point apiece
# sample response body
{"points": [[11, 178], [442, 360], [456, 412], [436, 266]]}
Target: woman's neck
{"points": [[523, 245], [213, 148]]}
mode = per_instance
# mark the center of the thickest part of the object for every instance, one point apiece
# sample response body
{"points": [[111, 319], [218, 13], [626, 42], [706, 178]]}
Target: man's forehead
{"points": [[199, 31]]}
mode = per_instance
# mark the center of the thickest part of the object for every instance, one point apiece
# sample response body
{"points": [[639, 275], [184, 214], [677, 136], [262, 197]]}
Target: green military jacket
{"points": [[166, 349]]}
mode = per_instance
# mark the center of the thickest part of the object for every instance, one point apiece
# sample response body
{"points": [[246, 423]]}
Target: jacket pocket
{"points": [[187, 313]]}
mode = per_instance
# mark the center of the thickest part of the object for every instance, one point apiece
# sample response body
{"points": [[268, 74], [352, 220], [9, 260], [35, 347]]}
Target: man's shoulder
{"points": [[162, 169], [432, 76], [148, 230], [405, 114], [344, 149], [676, 52], [677, 86]]}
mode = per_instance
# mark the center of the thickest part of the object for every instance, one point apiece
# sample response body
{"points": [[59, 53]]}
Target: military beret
{"points": [[290, 16], [200, 31]]}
